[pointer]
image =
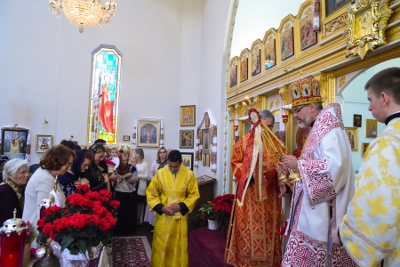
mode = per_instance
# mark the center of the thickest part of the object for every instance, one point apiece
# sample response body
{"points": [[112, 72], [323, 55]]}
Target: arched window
{"points": [[104, 94]]}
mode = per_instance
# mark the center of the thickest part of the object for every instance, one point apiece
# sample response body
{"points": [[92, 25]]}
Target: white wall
{"points": [[173, 54]]}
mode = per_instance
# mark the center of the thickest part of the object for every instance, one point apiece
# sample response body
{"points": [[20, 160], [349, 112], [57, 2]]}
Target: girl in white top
{"points": [[143, 176], [161, 162]]}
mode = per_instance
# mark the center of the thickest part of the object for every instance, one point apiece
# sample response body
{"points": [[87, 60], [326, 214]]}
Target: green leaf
{"points": [[81, 245], [66, 241]]}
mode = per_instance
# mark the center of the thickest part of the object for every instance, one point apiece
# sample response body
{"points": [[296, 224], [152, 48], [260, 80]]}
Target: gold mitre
{"points": [[305, 91]]}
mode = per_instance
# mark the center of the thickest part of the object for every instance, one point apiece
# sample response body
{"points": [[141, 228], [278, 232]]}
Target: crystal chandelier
{"points": [[84, 12]]}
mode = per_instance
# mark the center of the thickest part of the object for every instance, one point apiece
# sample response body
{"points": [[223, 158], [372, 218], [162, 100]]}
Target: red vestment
{"points": [[253, 234]]}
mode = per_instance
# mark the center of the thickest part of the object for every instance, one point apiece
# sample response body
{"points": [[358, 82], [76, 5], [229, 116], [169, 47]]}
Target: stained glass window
{"points": [[104, 95]]}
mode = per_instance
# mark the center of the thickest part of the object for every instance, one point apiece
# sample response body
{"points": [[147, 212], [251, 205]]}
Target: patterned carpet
{"points": [[131, 251]]}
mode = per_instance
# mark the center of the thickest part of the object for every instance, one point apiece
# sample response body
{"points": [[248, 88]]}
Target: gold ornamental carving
{"points": [[367, 22]]}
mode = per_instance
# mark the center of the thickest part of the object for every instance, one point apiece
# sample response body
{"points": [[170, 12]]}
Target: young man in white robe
{"points": [[323, 181], [371, 228]]}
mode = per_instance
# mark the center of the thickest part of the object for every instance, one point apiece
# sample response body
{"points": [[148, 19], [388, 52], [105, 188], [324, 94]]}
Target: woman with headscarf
{"points": [[97, 171], [76, 175], [161, 162], [12, 189], [125, 194]]}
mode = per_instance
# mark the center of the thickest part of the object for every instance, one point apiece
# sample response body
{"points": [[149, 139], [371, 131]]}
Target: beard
{"points": [[304, 122]]}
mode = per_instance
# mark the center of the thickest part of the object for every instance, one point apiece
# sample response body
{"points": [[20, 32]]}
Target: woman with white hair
{"points": [[12, 189]]}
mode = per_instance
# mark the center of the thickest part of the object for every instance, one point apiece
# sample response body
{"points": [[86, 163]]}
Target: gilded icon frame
{"points": [[187, 159], [43, 142], [7, 133], [367, 23], [148, 133], [187, 115], [352, 133]]}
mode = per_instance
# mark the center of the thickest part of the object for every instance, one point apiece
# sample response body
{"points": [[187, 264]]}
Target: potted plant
{"points": [[218, 210]]}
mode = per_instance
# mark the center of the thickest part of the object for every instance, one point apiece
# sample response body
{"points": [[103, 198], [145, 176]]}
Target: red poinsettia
{"points": [[218, 209], [88, 218]]}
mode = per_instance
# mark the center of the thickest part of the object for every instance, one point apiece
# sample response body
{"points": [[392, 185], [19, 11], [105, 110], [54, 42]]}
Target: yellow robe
{"points": [[370, 231], [170, 241]]}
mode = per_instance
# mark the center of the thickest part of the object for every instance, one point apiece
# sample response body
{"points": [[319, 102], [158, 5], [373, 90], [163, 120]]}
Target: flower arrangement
{"points": [[87, 219], [218, 209]]}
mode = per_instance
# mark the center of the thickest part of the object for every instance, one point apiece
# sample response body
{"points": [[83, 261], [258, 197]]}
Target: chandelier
{"points": [[84, 12]]}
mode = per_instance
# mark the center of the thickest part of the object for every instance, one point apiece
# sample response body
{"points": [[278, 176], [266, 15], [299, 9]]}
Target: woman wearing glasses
{"points": [[76, 175], [57, 161]]}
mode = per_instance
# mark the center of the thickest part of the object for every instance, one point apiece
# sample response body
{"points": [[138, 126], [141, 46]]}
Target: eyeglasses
{"points": [[162, 152], [298, 109], [69, 164]]}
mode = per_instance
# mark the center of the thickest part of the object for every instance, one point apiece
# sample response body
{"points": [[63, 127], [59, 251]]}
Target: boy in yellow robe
{"points": [[172, 193], [371, 228]]}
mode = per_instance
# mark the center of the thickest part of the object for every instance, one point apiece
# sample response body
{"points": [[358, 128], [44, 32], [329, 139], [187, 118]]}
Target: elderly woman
{"points": [[15, 174], [57, 161]]}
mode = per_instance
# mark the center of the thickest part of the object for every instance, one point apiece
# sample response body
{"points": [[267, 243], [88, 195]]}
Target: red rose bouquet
{"points": [[88, 218]]}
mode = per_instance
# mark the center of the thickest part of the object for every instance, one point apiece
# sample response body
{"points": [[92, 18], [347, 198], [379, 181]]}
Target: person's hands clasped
{"points": [[175, 207], [290, 161], [168, 211]]}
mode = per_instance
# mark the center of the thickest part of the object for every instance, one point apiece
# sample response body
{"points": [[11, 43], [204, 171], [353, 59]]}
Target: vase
{"points": [[212, 225], [90, 259], [48, 260]]}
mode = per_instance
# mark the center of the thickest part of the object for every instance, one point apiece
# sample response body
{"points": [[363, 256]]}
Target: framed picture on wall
{"points": [[148, 133], [371, 130], [186, 138], [287, 45], [357, 120], [187, 159], [364, 149], [243, 69], [14, 142], [270, 52], [352, 133], [187, 115], [43, 142], [233, 75], [206, 141], [308, 36], [256, 62]]}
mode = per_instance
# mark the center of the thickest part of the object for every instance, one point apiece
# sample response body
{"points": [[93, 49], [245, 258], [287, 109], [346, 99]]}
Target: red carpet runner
{"points": [[131, 251]]}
